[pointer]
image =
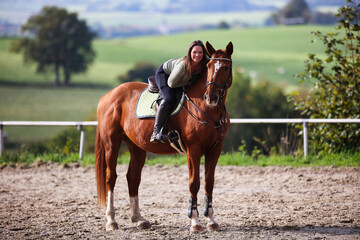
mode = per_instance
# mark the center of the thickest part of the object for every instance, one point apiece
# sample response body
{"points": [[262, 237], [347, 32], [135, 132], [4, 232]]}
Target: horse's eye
{"points": [[226, 68]]}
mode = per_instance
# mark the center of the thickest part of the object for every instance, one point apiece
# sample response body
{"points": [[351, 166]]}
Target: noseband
{"points": [[221, 87]]}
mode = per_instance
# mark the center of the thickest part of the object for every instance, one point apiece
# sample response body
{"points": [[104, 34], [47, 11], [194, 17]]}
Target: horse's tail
{"points": [[100, 169]]}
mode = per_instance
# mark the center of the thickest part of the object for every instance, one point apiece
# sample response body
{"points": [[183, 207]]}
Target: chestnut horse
{"points": [[202, 123]]}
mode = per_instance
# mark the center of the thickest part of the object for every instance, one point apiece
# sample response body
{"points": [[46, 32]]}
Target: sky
{"points": [[18, 11]]}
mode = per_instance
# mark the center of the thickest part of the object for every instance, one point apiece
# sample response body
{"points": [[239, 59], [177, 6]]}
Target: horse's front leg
{"points": [[211, 160], [194, 185]]}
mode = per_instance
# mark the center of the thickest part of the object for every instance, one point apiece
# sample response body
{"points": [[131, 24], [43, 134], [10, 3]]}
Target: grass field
{"points": [[263, 50], [25, 95], [45, 104], [25, 159]]}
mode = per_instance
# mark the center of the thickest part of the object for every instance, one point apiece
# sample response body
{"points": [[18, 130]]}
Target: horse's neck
{"points": [[197, 90]]}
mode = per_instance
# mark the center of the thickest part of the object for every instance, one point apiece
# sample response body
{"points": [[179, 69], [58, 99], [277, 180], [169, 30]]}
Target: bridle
{"points": [[218, 124], [221, 87]]}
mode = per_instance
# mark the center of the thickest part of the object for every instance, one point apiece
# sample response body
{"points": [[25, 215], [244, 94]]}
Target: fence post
{"points": [[1, 140], [82, 140], [306, 143]]}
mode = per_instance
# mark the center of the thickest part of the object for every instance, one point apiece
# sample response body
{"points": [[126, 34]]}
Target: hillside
{"points": [[261, 50], [264, 53]]}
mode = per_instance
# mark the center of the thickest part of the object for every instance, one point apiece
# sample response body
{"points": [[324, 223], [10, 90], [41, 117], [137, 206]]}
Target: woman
{"points": [[171, 75]]}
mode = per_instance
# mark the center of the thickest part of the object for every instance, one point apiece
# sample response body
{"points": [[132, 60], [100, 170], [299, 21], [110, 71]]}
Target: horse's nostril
{"points": [[205, 96]]}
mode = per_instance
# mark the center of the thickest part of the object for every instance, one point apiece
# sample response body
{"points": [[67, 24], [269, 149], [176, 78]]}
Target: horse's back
{"points": [[121, 99], [124, 91]]}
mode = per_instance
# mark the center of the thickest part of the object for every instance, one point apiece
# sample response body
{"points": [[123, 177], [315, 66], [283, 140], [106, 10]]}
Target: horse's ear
{"points": [[209, 48], [229, 48]]}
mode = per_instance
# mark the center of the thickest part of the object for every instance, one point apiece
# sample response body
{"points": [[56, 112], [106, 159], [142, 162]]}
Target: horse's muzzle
{"points": [[212, 100]]}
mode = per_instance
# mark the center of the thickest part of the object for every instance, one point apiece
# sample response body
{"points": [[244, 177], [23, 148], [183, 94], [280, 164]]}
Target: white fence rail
{"points": [[80, 126], [303, 121]]}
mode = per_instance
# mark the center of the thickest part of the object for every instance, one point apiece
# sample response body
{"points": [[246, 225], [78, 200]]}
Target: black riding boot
{"points": [[162, 115]]}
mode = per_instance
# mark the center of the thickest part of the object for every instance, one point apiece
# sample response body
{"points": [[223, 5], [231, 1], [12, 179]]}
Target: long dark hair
{"points": [[187, 58]]}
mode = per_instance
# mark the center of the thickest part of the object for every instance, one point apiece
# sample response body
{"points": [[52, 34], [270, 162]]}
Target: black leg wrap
{"points": [[193, 206], [208, 204]]}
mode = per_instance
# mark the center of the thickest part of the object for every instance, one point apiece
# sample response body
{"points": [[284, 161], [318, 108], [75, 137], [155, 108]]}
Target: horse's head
{"points": [[219, 76]]}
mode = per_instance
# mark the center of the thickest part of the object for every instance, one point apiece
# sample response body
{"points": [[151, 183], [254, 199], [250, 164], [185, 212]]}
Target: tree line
{"points": [[299, 12]]}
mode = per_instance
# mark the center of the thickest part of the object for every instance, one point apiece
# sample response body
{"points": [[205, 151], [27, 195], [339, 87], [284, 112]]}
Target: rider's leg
{"points": [[165, 107]]}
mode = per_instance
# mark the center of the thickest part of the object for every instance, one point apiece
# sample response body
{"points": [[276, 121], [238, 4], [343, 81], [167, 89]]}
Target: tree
{"points": [[296, 11], [223, 25], [336, 92], [59, 41]]}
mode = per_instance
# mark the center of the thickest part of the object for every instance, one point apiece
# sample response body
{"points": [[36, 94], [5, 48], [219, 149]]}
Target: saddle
{"points": [[147, 105]]}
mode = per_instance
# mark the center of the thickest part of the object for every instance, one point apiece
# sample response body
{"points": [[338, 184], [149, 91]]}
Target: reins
{"points": [[218, 124]]}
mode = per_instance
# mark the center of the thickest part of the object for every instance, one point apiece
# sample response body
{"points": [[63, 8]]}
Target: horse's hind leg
{"points": [[112, 144], [137, 161]]}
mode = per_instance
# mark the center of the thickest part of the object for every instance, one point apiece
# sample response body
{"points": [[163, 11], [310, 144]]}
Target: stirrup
{"points": [[162, 137], [176, 143], [159, 137]]}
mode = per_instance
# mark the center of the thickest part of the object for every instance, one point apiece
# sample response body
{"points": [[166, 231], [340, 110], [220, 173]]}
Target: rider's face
{"points": [[197, 54]]}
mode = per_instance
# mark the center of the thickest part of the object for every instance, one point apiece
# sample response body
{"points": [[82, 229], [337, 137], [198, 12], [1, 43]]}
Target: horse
{"points": [[202, 124]]}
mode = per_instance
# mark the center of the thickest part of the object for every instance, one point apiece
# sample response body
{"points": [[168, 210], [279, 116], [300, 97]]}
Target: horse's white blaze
{"points": [[110, 212], [210, 102], [216, 68]]}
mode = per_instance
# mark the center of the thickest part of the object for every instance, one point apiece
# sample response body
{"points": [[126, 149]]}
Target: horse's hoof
{"points": [[143, 225], [112, 226], [213, 227], [196, 228]]}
